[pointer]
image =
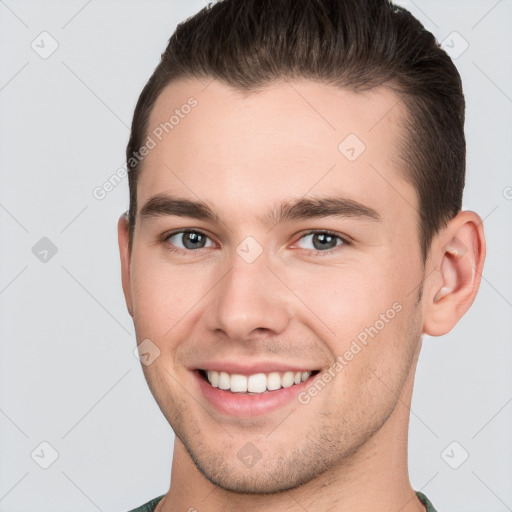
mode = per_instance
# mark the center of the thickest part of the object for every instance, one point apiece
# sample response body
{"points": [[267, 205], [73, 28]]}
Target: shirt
{"points": [[151, 505]]}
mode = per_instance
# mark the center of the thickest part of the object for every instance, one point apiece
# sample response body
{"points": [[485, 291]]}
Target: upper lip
{"points": [[248, 368]]}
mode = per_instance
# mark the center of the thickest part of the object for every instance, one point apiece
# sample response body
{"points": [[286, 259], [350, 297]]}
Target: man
{"points": [[295, 228]]}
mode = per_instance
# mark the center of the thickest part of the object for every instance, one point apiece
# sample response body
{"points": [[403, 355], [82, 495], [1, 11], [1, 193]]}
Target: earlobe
{"points": [[459, 253], [123, 237]]}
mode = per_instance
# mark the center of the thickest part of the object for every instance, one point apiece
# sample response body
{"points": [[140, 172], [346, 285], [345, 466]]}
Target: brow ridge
{"points": [[303, 208]]}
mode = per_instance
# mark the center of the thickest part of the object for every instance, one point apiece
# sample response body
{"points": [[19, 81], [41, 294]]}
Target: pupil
{"points": [[190, 238], [324, 240]]}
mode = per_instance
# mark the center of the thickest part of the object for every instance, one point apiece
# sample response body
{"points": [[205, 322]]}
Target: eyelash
{"points": [[345, 241]]}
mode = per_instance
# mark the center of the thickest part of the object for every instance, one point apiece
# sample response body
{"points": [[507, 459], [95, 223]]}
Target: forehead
{"points": [[287, 140]]}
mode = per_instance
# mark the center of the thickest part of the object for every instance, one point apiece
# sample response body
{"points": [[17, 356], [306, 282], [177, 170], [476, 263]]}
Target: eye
{"points": [[188, 240], [322, 241]]}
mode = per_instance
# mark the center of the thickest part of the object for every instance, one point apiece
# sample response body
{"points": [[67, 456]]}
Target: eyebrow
{"points": [[303, 208]]}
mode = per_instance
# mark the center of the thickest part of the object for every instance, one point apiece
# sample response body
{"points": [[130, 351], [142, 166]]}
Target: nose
{"points": [[249, 299]]}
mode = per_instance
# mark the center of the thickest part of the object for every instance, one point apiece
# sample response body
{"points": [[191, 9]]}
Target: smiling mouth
{"points": [[257, 383]]}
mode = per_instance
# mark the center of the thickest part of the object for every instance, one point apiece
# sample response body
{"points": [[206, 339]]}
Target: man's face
{"points": [[248, 295]]}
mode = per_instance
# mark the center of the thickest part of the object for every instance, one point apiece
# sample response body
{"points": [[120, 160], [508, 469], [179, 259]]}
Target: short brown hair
{"points": [[351, 44]]}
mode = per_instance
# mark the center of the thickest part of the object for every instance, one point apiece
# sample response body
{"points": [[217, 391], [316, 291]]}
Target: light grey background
{"points": [[68, 375]]}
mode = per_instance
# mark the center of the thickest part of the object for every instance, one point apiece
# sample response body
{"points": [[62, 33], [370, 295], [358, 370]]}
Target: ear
{"points": [[458, 254], [123, 237]]}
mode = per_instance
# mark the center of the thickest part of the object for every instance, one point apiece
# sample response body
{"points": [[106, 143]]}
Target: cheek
{"points": [[163, 295], [374, 358], [346, 298], [363, 314]]}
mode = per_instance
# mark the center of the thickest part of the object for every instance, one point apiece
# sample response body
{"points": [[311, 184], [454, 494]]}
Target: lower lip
{"points": [[242, 404]]}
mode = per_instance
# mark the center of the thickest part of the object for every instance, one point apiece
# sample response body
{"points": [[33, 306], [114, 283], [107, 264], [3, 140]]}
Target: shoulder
{"points": [[426, 502], [149, 506]]}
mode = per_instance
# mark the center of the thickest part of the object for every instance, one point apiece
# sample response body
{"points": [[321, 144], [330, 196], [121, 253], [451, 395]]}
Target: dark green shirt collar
{"points": [[151, 505]]}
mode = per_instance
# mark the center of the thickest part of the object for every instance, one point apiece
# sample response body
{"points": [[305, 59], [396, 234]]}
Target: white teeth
{"points": [[224, 380], [287, 379], [256, 383], [213, 377], [238, 383], [273, 381]]}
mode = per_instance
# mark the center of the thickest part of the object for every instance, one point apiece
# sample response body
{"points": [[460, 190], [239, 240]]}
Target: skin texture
{"points": [[345, 450]]}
